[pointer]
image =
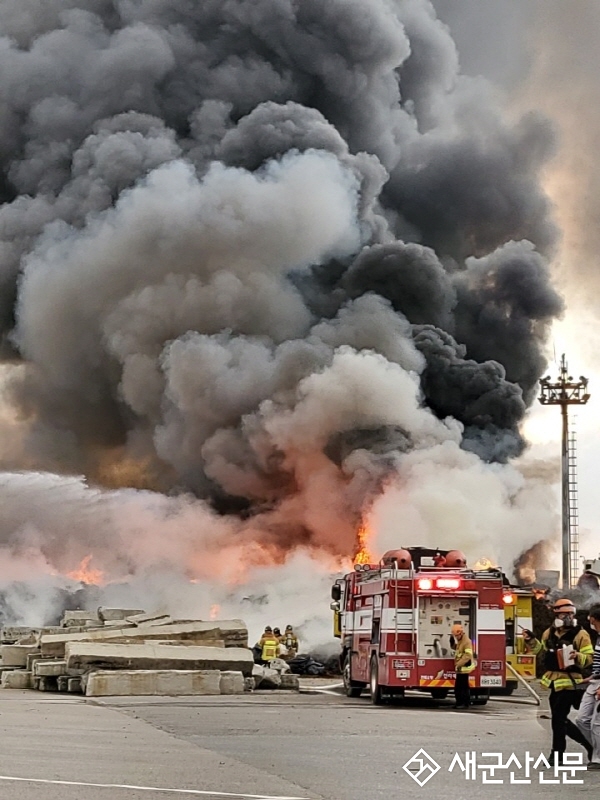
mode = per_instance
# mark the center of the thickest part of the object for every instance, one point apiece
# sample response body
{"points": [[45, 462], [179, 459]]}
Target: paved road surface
{"points": [[313, 746]]}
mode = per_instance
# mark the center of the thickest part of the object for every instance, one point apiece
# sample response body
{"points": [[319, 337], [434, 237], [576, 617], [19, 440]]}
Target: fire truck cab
{"points": [[394, 618]]}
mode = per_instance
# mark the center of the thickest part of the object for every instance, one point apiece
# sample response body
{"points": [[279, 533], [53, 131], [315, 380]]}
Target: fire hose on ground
{"points": [[521, 679]]}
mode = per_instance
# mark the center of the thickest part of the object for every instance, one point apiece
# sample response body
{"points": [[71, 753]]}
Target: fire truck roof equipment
{"points": [[456, 559], [402, 558]]}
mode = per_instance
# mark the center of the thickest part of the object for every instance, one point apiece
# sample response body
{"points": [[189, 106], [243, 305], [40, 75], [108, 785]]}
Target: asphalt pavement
{"points": [[318, 745]]}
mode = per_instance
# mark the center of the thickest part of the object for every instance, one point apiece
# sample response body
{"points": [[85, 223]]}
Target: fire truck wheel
{"points": [[352, 688], [480, 698], [439, 694], [376, 693]]}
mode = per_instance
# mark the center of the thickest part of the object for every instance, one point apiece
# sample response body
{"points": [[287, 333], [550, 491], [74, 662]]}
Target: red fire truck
{"points": [[394, 620]]}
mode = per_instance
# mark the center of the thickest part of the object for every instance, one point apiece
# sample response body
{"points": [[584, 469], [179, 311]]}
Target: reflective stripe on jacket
{"points": [[560, 679], [270, 649], [464, 652]]}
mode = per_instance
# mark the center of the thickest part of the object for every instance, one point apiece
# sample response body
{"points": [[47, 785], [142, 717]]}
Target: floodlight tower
{"points": [[564, 393]]}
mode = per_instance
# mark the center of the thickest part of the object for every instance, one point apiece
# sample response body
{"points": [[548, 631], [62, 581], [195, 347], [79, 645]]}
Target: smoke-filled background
{"points": [[269, 269], [542, 54]]}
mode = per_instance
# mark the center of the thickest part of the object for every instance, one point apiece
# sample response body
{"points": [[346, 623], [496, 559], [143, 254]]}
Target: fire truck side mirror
{"points": [[336, 592]]}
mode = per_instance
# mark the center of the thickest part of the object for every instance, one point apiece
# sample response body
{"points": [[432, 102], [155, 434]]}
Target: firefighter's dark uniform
{"points": [[464, 664], [563, 683]]}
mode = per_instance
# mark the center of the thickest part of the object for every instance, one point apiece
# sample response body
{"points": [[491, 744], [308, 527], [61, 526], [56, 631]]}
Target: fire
{"points": [[540, 594], [215, 610], [86, 574], [363, 554]]}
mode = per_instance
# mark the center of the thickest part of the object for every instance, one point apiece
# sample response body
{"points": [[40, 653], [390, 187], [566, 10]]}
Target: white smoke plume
{"points": [[267, 269]]}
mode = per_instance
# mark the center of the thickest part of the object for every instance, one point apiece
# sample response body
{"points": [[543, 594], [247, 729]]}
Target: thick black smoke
{"points": [[241, 241]]}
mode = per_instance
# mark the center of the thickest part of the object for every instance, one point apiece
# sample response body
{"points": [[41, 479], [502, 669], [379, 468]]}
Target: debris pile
{"points": [[112, 652], [277, 675]]}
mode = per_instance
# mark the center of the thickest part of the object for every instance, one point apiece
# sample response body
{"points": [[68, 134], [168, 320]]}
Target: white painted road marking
{"points": [[194, 792]]}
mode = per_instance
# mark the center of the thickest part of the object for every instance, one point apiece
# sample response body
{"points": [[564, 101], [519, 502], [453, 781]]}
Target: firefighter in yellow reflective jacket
{"points": [[567, 655], [270, 646], [464, 664]]}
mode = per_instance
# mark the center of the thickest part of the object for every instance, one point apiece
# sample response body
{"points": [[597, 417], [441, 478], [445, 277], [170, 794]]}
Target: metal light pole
{"points": [[564, 393]]}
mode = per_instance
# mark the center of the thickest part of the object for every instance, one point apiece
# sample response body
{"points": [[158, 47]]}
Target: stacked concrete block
{"points": [[10, 634], [154, 618], [276, 676], [290, 682], [232, 632], [102, 655], [131, 652], [31, 659], [50, 669], [265, 678], [171, 683], [172, 642], [17, 679], [15, 655], [231, 682], [77, 619], [118, 614]]}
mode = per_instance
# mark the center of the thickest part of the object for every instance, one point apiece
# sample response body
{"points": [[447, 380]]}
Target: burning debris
{"points": [[265, 265], [531, 566]]}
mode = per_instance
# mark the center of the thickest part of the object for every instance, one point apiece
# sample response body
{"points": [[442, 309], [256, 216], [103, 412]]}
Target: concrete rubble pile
{"points": [[112, 652]]}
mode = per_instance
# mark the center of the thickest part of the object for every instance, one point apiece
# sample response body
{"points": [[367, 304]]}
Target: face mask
{"points": [[558, 623]]}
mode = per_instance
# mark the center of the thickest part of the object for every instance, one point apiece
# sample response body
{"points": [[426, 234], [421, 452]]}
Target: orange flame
{"points": [[86, 574], [363, 554], [215, 610]]}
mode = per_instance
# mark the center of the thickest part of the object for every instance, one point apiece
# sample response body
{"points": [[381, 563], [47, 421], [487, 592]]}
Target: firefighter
{"points": [[563, 680], [277, 635], [269, 645], [290, 641], [588, 717], [268, 631], [464, 664]]}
